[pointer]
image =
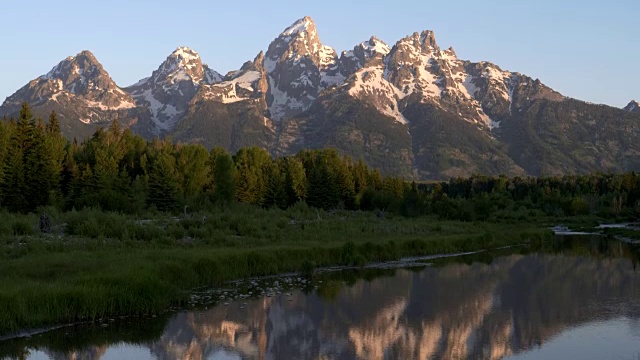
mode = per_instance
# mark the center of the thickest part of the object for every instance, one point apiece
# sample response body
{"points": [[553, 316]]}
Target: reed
{"points": [[102, 265]]}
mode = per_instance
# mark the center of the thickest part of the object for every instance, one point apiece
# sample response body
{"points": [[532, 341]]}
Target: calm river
{"points": [[579, 300]]}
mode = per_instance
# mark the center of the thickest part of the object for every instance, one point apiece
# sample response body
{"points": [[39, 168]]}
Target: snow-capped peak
{"points": [[79, 82], [80, 75], [375, 46], [78, 64], [167, 92], [186, 53], [182, 64], [298, 41], [299, 67], [428, 39], [305, 24]]}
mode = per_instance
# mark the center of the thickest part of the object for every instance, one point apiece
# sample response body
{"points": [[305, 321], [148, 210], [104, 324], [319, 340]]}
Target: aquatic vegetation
{"points": [[102, 264]]}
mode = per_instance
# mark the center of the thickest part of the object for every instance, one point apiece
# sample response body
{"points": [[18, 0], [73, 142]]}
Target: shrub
{"points": [[22, 227]]}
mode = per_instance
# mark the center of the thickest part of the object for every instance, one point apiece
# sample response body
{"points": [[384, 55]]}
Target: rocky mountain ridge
{"points": [[633, 106], [170, 88], [411, 109]]}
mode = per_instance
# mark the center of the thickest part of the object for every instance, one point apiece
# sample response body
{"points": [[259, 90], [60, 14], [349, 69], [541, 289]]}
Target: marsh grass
{"points": [[108, 264]]}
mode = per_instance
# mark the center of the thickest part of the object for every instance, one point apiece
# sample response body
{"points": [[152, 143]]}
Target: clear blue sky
{"points": [[585, 49]]}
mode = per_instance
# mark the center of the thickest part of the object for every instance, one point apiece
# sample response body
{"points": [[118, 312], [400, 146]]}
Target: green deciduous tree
{"points": [[192, 166], [251, 174]]}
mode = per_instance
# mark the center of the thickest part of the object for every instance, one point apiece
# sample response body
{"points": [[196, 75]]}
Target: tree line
{"points": [[115, 170]]}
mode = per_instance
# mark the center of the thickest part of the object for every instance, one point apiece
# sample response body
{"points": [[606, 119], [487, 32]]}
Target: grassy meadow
{"points": [[95, 264]]}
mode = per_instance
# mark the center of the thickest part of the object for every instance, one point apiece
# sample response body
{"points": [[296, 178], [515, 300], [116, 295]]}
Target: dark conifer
{"points": [[224, 178]]}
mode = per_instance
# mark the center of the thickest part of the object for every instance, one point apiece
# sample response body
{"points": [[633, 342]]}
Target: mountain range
{"points": [[411, 109]]}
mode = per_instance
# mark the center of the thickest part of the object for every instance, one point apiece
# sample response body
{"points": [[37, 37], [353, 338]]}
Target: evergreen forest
{"points": [[118, 171]]}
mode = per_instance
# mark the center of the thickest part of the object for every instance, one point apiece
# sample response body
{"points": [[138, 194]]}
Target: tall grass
{"points": [[107, 264]]}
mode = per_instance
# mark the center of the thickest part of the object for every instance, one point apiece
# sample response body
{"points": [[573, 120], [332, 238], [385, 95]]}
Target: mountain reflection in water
{"points": [[511, 305]]}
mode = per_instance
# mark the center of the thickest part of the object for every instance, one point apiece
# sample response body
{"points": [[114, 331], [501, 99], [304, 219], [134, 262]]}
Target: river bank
{"points": [[484, 290], [104, 264]]}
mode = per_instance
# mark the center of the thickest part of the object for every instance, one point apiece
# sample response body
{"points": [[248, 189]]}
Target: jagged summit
{"points": [[73, 73], [424, 42], [377, 45], [370, 48], [185, 52], [167, 92], [428, 39], [306, 24], [297, 41], [633, 106], [407, 107], [299, 67], [182, 64], [78, 81], [367, 50]]}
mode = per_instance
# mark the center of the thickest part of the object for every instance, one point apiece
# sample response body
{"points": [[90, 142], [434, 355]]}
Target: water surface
{"points": [[578, 300]]}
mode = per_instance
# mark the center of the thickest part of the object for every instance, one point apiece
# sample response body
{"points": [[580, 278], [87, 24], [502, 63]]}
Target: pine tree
{"points": [[53, 126], [83, 190], [211, 164], [70, 172], [295, 179], [322, 190], [114, 128], [164, 182], [133, 150], [56, 145], [105, 168], [224, 178], [39, 172], [15, 189], [345, 183], [6, 130], [275, 193]]}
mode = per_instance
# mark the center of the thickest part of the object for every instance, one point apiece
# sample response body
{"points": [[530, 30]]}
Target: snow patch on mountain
{"points": [[169, 90], [328, 80], [282, 102], [188, 56], [102, 106], [211, 76], [327, 56], [417, 66], [246, 80], [376, 46], [370, 83], [270, 64], [164, 116], [498, 79], [227, 91], [297, 27], [468, 88], [298, 69]]}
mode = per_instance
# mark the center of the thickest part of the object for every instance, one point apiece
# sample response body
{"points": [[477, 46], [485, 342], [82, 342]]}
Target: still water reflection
{"points": [[580, 300]]}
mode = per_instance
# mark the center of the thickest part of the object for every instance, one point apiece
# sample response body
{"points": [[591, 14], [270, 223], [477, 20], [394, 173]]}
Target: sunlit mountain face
{"points": [[410, 108]]}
